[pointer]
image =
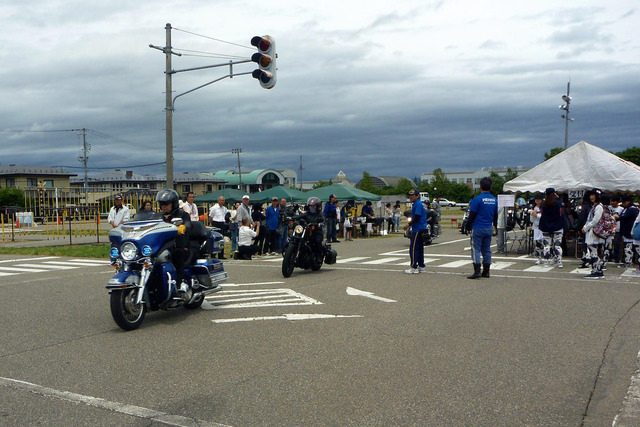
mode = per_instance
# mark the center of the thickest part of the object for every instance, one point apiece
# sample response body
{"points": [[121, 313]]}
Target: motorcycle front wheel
{"points": [[126, 313], [317, 261], [288, 261]]}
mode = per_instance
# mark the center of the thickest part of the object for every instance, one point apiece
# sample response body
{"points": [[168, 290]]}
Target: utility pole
{"points": [[301, 172], [238, 151], [168, 108], [84, 158], [567, 99]]}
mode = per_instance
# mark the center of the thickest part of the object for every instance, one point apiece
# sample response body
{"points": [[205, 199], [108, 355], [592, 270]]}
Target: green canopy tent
{"points": [[231, 195], [342, 192], [290, 194]]}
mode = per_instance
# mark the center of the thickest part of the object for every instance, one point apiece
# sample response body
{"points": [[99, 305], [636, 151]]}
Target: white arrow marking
{"points": [[354, 291], [285, 317]]}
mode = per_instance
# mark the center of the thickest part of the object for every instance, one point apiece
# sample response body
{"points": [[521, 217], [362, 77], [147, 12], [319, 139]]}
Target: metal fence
{"points": [[71, 213]]}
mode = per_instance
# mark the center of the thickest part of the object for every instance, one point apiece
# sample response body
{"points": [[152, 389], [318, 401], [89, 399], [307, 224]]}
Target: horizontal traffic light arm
{"points": [[226, 64]]}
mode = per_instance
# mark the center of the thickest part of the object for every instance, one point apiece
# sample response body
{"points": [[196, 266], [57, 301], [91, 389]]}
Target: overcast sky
{"points": [[392, 88]]}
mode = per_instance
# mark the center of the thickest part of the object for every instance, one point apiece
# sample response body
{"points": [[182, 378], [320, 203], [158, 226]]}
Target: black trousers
{"points": [[223, 229]]}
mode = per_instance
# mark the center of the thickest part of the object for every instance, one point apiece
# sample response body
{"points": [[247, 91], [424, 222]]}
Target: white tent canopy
{"points": [[580, 167]]}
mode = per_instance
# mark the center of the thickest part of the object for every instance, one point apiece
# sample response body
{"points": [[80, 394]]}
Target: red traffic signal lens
{"points": [[261, 43]]}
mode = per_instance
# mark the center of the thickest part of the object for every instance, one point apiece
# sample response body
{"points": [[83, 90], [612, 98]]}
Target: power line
{"points": [[111, 167], [212, 38], [208, 54]]}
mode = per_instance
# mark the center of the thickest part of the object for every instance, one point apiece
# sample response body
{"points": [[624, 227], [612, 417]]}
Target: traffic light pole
{"points": [[170, 102]]}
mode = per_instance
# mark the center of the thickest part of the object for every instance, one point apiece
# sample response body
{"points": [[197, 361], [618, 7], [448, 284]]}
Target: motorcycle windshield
{"points": [[148, 233]]}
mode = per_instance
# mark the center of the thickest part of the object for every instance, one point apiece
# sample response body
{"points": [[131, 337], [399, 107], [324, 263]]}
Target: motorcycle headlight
{"points": [[298, 229], [128, 251], [146, 250]]}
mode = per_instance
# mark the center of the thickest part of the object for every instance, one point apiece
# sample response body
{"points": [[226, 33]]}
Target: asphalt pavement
{"points": [[357, 343]]}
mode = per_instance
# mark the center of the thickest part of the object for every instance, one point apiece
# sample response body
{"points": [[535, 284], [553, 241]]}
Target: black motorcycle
{"points": [[427, 234], [303, 252]]}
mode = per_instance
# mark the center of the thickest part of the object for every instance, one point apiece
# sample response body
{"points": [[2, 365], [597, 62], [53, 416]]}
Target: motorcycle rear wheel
{"points": [[288, 261], [126, 313]]}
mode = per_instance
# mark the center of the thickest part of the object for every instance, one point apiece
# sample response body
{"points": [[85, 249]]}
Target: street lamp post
{"points": [[567, 102]]}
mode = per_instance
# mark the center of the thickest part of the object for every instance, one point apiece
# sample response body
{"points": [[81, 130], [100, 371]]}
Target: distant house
{"points": [[472, 178], [251, 181], [120, 181], [197, 182], [22, 177], [386, 181]]}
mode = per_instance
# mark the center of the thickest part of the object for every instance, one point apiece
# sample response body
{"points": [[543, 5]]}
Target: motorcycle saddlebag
{"points": [[330, 256]]}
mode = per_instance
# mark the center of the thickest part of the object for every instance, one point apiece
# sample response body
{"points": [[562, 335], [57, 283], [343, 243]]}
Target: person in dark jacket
{"points": [[627, 218], [331, 216], [552, 225], [257, 215], [169, 209]]}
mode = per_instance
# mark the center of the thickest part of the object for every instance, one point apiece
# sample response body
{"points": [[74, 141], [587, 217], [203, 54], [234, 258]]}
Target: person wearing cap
{"points": [[331, 216], [595, 244], [272, 213], [627, 219], [537, 233], [483, 218], [119, 213], [418, 226], [552, 227]]}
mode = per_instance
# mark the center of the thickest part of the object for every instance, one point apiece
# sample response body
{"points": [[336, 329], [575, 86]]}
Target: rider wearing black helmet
{"points": [[314, 215], [169, 209]]}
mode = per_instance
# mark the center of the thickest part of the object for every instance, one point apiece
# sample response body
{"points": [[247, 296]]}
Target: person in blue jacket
{"points": [[418, 226], [331, 216], [483, 218]]}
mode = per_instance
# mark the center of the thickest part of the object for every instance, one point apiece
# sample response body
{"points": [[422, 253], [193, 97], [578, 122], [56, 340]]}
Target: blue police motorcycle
{"points": [[145, 277]]}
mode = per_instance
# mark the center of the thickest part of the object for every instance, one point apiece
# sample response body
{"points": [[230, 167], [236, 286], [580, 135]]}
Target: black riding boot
{"points": [[485, 270], [476, 272]]}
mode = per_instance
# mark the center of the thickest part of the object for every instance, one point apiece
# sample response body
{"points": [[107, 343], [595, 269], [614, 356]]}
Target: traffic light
{"points": [[266, 60]]}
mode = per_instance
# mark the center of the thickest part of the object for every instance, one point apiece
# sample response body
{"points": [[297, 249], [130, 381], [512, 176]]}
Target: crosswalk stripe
{"points": [[73, 264], [7, 274], [353, 259], [48, 266], [381, 260], [426, 261], [92, 261], [456, 264], [23, 270], [539, 268], [501, 265]]}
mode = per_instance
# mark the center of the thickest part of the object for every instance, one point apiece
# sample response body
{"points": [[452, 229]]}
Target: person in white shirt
{"points": [[190, 207], [218, 215], [537, 233], [246, 235], [118, 214]]}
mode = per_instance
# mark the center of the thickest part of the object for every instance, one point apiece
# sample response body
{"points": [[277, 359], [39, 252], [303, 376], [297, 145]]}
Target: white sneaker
{"points": [[421, 270], [560, 264], [412, 271], [538, 261], [546, 263], [183, 287]]}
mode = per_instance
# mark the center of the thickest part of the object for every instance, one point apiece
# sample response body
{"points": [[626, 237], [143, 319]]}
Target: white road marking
{"points": [[257, 298], [353, 259], [583, 271], [539, 268], [250, 284], [7, 274], [382, 260], [73, 263], [501, 265], [23, 270], [92, 261], [456, 264], [47, 266], [629, 415], [96, 402], [426, 261], [629, 273], [286, 317], [29, 259], [358, 292]]}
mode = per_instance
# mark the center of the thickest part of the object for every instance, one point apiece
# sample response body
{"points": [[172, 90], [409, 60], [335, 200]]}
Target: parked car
{"points": [[444, 202]]}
